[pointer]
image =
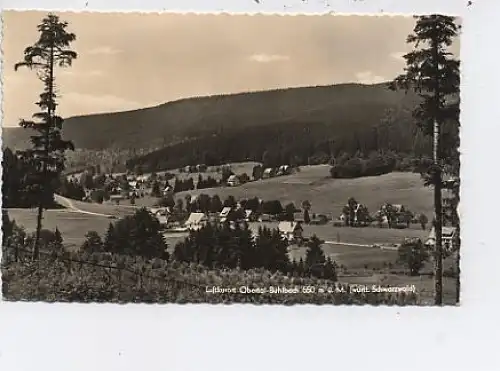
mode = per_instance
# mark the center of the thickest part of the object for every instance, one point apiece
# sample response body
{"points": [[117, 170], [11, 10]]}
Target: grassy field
{"points": [[329, 195], [73, 226], [312, 183]]}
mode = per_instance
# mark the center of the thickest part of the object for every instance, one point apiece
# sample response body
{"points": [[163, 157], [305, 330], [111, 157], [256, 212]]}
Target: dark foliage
{"points": [[337, 107], [138, 234]]}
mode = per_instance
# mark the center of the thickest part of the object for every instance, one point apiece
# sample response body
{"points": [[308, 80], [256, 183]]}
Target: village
{"points": [[178, 216]]}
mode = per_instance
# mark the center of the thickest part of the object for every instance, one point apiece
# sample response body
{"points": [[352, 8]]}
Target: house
{"points": [[449, 236], [196, 221], [268, 173], [291, 230], [284, 170], [233, 181], [250, 216], [224, 214], [144, 178]]}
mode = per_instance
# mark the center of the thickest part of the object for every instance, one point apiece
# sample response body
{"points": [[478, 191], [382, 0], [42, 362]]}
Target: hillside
{"points": [[337, 107], [328, 195]]}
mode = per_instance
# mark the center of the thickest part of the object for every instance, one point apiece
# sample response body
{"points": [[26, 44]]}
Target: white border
{"points": [[236, 338]]}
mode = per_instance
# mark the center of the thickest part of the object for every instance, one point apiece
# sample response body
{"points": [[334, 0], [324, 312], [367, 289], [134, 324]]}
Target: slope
{"points": [[197, 117]]}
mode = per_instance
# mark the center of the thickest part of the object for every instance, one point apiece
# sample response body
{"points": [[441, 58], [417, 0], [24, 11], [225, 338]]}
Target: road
{"points": [[381, 247], [68, 204]]}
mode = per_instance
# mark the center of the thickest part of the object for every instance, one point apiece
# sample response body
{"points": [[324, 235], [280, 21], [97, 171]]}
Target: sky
{"points": [[130, 61]]}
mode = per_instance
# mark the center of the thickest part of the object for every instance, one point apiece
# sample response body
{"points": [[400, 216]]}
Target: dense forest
{"points": [[336, 106], [297, 143]]}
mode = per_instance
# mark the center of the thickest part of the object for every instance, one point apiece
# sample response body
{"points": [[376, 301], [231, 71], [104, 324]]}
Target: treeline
{"points": [[181, 185], [235, 247], [376, 163], [213, 204], [293, 143], [207, 182]]}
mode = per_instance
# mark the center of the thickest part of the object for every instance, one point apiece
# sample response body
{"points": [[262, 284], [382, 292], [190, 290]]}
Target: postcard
{"points": [[230, 158]]}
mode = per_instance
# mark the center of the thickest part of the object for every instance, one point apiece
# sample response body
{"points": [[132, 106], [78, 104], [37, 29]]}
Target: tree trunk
{"points": [[438, 207], [439, 240], [45, 181], [36, 247]]}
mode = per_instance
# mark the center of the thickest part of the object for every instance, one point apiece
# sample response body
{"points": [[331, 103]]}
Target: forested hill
{"points": [[322, 112]]}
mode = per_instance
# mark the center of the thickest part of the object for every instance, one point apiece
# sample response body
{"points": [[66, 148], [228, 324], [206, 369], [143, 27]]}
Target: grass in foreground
{"points": [[112, 278]]}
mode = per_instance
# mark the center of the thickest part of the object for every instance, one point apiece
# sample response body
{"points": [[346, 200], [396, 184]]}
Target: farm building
{"points": [[233, 181], [284, 170], [196, 221], [224, 214], [291, 230], [449, 238], [268, 173]]}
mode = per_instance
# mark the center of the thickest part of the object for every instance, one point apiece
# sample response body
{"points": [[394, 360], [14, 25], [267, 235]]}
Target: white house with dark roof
{"points": [[291, 230], [284, 170], [196, 221], [233, 181], [224, 213], [449, 236], [250, 215], [268, 173]]}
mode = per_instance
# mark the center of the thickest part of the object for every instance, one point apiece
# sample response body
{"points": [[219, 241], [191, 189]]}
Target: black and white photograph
{"points": [[230, 158]]}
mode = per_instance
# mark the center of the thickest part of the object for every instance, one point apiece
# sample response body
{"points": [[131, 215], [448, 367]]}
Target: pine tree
{"points": [[58, 240], [434, 74], [330, 272], [46, 156], [110, 239], [280, 260], [93, 242], [315, 257]]}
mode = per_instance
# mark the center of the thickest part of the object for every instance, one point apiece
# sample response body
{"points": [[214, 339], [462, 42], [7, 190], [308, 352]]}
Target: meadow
{"points": [[311, 183], [329, 195]]}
